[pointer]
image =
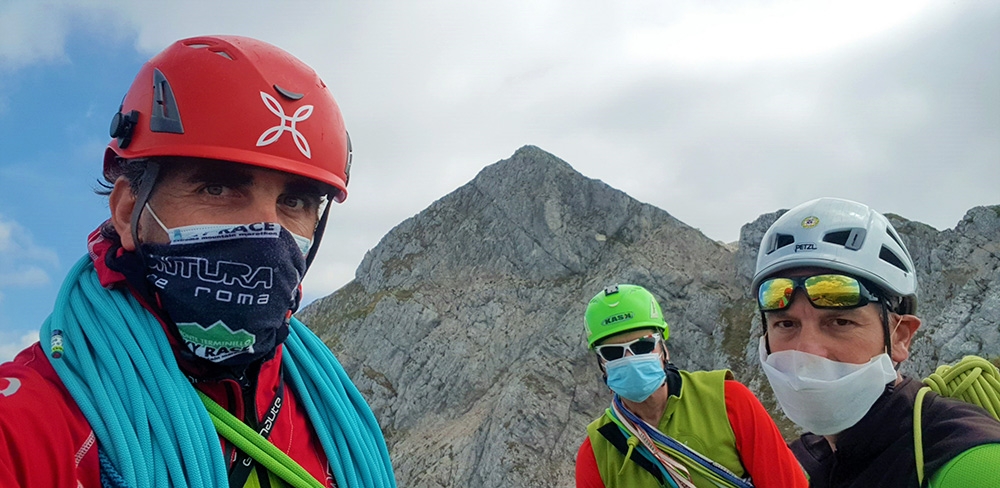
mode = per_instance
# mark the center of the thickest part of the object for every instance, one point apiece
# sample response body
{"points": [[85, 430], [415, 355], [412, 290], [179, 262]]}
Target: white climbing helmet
{"points": [[844, 236]]}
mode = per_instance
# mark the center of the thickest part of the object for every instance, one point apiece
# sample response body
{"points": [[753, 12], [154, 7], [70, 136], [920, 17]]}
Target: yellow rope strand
{"points": [[973, 380]]}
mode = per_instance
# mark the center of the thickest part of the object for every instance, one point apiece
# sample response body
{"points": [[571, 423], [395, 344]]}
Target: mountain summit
{"points": [[464, 326]]}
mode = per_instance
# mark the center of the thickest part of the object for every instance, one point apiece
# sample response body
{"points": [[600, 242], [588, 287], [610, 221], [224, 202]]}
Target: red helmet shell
{"points": [[235, 99]]}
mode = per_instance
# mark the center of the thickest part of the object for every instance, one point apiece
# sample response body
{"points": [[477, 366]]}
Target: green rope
{"points": [[973, 380], [918, 435], [257, 447]]}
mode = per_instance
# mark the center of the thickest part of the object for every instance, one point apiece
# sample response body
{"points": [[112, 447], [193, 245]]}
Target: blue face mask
{"points": [[636, 377], [189, 234]]}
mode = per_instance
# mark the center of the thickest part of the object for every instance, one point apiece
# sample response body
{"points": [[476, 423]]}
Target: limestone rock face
{"points": [[958, 274], [464, 327]]}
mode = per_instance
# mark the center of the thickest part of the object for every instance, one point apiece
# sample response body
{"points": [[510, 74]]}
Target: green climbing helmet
{"points": [[620, 308]]}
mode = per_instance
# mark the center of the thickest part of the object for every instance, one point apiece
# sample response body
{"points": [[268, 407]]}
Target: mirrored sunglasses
{"points": [[642, 345], [824, 291]]}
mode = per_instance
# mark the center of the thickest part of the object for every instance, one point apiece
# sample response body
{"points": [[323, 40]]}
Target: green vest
{"points": [[695, 417]]}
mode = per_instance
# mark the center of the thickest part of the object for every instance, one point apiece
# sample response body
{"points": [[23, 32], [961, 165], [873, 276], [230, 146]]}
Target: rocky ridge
{"points": [[463, 327]]}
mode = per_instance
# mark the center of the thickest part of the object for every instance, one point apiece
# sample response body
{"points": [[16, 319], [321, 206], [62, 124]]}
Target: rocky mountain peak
{"points": [[464, 326]]}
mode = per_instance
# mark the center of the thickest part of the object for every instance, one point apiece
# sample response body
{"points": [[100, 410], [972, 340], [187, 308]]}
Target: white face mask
{"points": [[822, 396], [188, 234]]}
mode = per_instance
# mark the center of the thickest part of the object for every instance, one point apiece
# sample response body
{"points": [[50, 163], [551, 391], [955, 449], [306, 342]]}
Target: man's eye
{"points": [[214, 189], [781, 324], [294, 202], [842, 322]]}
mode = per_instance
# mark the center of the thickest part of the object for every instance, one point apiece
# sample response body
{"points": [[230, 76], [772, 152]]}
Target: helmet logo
{"points": [[617, 318], [654, 313], [274, 133], [810, 222]]}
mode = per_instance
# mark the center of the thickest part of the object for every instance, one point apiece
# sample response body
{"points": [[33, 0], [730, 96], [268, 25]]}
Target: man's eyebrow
{"points": [[778, 314], [304, 185], [216, 174]]}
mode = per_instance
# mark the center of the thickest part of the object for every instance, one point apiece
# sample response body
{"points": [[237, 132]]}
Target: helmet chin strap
{"points": [[318, 234], [885, 330], [149, 177], [763, 323], [885, 327], [141, 198]]}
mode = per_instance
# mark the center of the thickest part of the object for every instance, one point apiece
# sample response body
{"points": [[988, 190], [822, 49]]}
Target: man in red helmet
{"points": [[171, 357]]}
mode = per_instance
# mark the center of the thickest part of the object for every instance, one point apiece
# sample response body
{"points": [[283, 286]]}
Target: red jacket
{"points": [[45, 441]]}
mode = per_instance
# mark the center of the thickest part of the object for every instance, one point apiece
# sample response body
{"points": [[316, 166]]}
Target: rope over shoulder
{"points": [[151, 426], [973, 380]]}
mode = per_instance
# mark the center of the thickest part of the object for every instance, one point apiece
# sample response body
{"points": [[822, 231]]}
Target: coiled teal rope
{"points": [[350, 430], [150, 423]]}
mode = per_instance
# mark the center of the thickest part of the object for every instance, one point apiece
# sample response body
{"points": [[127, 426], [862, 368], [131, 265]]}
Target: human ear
{"points": [[902, 336], [122, 201]]}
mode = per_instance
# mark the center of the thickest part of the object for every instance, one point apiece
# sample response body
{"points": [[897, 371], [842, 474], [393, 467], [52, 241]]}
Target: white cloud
{"points": [[22, 40], [714, 111], [740, 33], [12, 343], [22, 262]]}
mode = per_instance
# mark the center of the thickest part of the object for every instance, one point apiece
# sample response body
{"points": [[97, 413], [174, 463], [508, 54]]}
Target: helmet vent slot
{"points": [[890, 257], [892, 234], [839, 237], [223, 54], [165, 116], [850, 238], [782, 240]]}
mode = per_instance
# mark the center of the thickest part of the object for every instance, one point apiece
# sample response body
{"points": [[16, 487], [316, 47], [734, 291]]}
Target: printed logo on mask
{"points": [[231, 311], [225, 273], [217, 342], [210, 232]]}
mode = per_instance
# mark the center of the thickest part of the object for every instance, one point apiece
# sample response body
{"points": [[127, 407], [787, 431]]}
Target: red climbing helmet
{"points": [[233, 99]]}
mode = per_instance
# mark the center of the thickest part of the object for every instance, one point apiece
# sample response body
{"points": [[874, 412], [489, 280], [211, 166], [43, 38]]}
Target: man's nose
{"points": [[811, 339], [262, 209]]}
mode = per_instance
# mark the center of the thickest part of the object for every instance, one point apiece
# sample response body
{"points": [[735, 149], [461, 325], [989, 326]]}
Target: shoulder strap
{"points": [[658, 442], [918, 441], [257, 447], [614, 435]]}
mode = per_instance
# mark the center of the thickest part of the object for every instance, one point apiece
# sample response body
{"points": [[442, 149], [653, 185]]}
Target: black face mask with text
{"points": [[230, 290]]}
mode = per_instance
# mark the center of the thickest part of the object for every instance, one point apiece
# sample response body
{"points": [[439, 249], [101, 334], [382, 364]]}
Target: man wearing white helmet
{"points": [[837, 291]]}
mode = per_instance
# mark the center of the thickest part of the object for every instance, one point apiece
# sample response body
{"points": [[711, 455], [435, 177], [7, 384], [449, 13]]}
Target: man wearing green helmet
{"points": [[837, 293], [667, 427]]}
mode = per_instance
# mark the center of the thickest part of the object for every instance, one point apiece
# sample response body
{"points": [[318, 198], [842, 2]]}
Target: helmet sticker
{"points": [[810, 222], [617, 318], [805, 246], [654, 312], [274, 133]]}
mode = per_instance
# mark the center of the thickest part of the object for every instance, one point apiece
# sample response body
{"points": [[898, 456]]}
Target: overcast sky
{"points": [[715, 111]]}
